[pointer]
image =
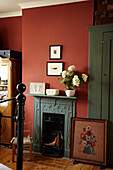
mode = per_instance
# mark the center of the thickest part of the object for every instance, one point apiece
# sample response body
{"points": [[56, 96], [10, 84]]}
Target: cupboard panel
{"points": [[101, 79]]}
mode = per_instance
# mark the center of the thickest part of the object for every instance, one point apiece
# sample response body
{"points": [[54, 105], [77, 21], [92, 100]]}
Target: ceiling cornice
{"points": [[34, 4], [11, 14], [42, 3]]}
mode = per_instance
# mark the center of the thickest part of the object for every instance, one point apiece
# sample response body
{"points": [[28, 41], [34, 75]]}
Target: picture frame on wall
{"points": [[54, 68], [36, 88], [55, 52], [89, 140]]}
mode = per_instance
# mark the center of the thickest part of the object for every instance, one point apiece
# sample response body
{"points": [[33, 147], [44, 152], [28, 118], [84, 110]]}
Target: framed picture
{"points": [[54, 68], [36, 88], [55, 52], [89, 140]]}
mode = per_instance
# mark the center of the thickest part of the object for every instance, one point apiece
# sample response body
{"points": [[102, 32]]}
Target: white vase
{"points": [[70, 93]]}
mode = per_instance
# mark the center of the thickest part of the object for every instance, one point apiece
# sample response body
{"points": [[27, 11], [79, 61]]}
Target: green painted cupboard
{"points": [[100, 86]]}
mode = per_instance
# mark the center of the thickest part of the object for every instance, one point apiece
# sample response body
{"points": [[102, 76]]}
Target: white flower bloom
{"points": [[88, 128], [88, 138], [84, 143], [76, 77], [84, 76], [64, 73], [68, 74], [76, 81], [71, 68]]}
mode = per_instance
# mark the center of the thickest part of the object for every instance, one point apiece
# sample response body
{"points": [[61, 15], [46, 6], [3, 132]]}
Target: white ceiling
{"points": [[9, 8]]}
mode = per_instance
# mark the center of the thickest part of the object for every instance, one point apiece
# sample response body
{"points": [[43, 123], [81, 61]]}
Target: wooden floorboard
{"points": [[43, 163]]}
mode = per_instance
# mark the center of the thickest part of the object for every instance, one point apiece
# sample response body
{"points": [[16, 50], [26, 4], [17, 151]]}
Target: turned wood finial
{"points": [[21, 87]]}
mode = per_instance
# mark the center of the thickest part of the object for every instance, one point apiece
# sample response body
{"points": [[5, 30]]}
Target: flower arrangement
{"points": [[71, 79], [88, 140]]}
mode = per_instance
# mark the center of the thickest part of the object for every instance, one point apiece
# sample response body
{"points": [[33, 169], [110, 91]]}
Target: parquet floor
{"points": [[40, 162]]}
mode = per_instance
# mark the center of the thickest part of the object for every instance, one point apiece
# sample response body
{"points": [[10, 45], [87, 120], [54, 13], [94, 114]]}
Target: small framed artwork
{"points": [[89, 140], [54, 68], [55, 52], [36, 88]]}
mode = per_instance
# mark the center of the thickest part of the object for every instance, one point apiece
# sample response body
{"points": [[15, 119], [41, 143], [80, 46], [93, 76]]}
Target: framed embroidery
{"points": [[89, 140]]}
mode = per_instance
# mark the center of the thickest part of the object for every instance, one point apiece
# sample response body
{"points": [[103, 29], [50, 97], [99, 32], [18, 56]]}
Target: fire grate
{"points": [[53, 135]]}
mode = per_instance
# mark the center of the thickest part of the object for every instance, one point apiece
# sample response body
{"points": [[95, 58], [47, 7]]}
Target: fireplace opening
{"points": [[53, 135]]}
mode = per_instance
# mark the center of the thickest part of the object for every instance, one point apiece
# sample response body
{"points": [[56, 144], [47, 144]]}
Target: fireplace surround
{"points": [[53, 105]]}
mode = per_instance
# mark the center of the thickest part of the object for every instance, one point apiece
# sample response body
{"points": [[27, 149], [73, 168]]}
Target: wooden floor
{"points": [[42, 162]]}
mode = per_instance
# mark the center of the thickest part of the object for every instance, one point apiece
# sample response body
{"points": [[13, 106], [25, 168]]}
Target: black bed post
{"points": [[20, 100]]}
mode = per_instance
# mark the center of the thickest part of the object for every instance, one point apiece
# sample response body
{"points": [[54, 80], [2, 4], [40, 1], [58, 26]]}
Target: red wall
{"points": [[64, 25], [38, 28], [11, 33]]}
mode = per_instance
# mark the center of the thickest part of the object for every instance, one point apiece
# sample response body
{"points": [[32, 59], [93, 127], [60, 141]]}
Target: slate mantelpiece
{"points": [[56, 105]]}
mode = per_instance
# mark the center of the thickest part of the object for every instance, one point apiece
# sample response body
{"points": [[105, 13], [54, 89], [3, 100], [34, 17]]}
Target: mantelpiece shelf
{"points": [[61, 97]]}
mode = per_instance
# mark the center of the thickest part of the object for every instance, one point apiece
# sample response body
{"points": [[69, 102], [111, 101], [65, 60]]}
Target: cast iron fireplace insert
{"points": [[53, 135]]}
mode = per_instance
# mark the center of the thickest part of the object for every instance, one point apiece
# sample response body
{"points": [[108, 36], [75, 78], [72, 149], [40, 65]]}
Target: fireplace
{"points": [[53, 135], [47, 107]]}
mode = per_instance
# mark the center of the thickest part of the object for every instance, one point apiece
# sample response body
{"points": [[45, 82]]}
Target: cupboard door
{"points": [[10, 76], [107, 90], [107, 76], [95, 70], [6, 123], [100, 86], [3, 83]]}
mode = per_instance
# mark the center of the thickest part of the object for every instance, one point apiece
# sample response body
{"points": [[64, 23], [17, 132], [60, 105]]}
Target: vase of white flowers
{"points": [[71, 79]]}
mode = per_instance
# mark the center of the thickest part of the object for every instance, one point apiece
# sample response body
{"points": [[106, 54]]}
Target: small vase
{"points": [[87, 150], [70, 93]]}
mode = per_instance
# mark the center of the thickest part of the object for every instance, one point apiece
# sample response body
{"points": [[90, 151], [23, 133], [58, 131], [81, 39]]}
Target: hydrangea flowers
{"points": [[71, 79]]}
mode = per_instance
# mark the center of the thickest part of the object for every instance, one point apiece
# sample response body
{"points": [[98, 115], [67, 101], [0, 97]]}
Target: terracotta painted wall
{"points": [[65, 25], [11, 33]]}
